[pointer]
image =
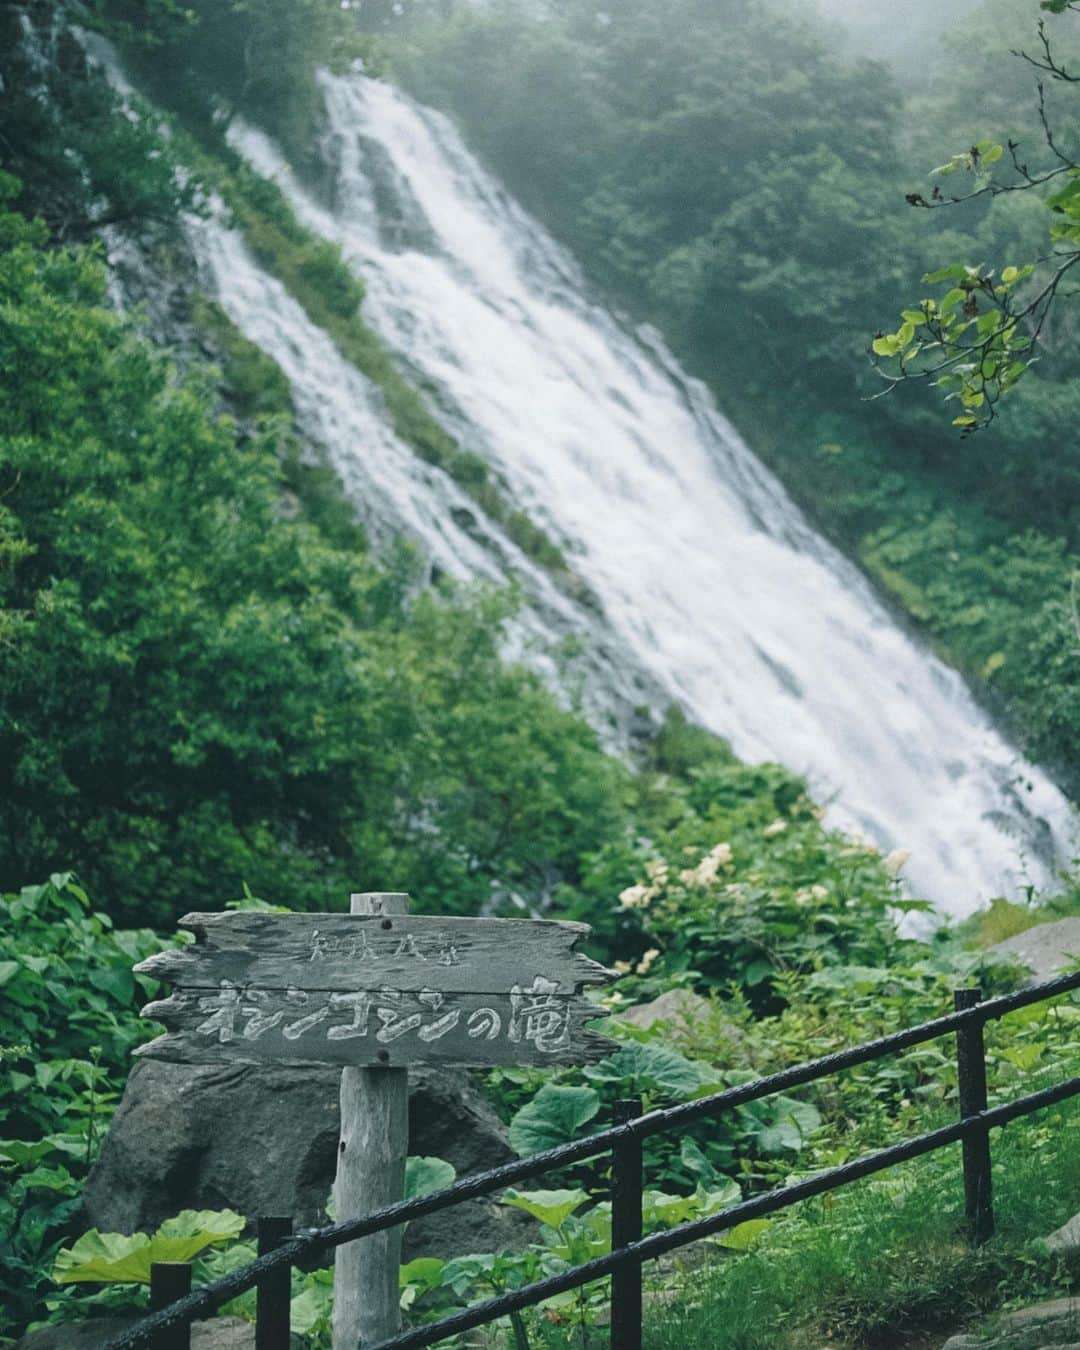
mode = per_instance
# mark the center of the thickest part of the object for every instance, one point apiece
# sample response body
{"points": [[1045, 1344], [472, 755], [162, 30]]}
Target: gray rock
{"points": [[223, 1333], [682, 1008], [263, 1141], [1044, 1326], [1066, 1239], [1046, 949]]}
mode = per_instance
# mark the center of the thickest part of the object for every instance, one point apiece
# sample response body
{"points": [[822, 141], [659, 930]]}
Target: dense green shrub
{"points": [[68, 1023], [197, 692]]}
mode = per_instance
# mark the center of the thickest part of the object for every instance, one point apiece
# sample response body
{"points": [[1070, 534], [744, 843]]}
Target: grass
{"points": [[883, 1263]]}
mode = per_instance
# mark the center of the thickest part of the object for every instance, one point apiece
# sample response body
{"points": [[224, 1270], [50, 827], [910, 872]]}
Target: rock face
{"points": [[1045, 1326], [223, 1333], [682, 1008], [1066, 1239], [1047, 949], [263, 1141]]}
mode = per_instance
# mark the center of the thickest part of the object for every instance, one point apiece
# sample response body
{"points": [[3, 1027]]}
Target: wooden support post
{"points": [[274, 1291], [626, 1227], [169, 1281], [971, 1076], [371, 1173]]}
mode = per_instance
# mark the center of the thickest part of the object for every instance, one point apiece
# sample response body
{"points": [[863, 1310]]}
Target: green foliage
{"points": [[202, 693], [104, 1258], [424, 1175], [255, 57], [976, 340], [81, 163], [68, 1009], [883, 1262], [68, 1022], [554, 1116]]}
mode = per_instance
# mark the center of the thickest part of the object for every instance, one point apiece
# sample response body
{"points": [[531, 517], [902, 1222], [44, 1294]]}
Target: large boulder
{"points": [[263, 1140], [1047, 949]]}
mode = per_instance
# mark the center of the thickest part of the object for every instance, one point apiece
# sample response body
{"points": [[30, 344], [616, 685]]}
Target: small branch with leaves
{"points": [[977, 339]]}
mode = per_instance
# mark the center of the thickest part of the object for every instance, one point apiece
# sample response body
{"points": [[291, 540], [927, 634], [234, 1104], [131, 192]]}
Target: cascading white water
{"points": [[712, 581]]}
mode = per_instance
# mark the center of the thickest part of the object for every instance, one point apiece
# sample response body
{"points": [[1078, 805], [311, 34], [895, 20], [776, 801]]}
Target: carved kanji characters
{"points": [[537, 1016], [407, 947], [225, 1009]]}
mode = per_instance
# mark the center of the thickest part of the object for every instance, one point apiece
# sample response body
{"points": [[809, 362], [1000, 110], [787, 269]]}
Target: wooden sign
{"points": [[377, 990]]}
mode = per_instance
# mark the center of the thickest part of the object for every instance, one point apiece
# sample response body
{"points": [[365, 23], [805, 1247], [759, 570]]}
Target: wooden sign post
{"points": [[375, 991]]}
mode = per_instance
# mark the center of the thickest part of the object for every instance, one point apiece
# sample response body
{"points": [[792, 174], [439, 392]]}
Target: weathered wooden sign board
{"points": [[377, 991]]}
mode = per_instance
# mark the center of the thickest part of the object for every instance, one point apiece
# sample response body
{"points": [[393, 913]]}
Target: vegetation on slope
{"points": [[197, 692]]}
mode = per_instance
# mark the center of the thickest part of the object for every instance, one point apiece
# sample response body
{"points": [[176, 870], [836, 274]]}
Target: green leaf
{"points": [[954, 272], [8, 969], [424, 1175], [885, 346], [117, 981], [694, 1160], [22, 1152], [109, 1258], [784, 1124], [310, 1309], [647, 1066], [115, 1258], [662, 1210], [553, 1117], [425, 1271], [550, 1207], [50, 1179], [745, 1235]]}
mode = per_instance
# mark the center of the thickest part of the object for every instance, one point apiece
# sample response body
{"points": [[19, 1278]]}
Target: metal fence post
{"points": [[274, 1290], [626, 1227], [971, 1078], [170, 1280]]}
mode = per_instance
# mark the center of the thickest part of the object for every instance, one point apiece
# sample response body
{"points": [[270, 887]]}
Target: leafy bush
{"points": [[197, 692], [68, 1023]]}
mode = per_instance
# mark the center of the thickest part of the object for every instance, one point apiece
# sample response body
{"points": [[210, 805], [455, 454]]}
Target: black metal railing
{"points": [[168, 1327]]}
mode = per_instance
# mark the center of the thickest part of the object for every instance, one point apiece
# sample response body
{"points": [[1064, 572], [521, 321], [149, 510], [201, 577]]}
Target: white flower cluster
{"points": [[895, 861], [808, 895], [705, 873], [637, 897]]}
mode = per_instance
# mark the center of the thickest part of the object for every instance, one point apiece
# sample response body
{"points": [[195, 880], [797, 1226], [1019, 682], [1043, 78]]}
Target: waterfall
{"points": [[716, 591]]}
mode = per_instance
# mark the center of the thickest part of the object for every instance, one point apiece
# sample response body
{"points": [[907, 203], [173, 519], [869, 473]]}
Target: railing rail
{"points": [[624, 1139]]}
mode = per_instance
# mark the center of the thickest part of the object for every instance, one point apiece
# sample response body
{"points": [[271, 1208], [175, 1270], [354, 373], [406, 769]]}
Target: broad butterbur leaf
{"points": [[645, 1067], [424, 1175], [550, 1207], [115, 1258], [553, 1117]]}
